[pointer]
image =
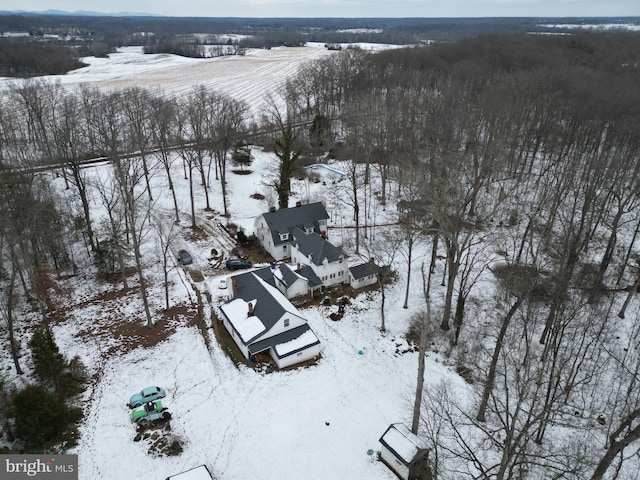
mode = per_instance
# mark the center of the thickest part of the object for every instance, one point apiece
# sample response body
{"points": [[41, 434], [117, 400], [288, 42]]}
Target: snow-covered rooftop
{"points": [[247, 326], [306, 339], [402, 441]]}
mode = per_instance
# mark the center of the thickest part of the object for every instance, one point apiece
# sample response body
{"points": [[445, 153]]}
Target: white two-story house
{"points": [[274, 230]]}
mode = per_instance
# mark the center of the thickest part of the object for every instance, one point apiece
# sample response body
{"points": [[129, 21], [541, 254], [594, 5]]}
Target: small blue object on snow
{"points": [[359, 352]]}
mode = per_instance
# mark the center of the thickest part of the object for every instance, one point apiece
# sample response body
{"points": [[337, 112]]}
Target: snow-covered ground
{"points": [[314, 423]]}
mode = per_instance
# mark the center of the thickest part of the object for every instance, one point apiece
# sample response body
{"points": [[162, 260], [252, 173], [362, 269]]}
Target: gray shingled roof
{"points": [[288, 275], [267, 308], [266, 274], [307, 272], [364, 270], [286, 220], [319, 248], [285, 336]]}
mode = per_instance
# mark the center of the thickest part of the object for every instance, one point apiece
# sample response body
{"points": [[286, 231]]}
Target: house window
{"points": [[286, 322], [284, 248], [308, 229], [284, 236]]}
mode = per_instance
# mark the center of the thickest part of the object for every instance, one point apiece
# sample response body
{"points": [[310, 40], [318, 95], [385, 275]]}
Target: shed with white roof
{"points": [[402, 452]]}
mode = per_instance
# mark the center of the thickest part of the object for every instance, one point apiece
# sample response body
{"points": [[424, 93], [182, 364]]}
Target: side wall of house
{"points": [[394, 463], [322, 224], [362, 282], [278, 327], [332, 273], [264, 237], [298, 288], [299, 357], [236, 338]]}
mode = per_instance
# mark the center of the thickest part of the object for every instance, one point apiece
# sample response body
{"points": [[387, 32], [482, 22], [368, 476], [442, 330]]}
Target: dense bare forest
{"points": [[517, 154]]}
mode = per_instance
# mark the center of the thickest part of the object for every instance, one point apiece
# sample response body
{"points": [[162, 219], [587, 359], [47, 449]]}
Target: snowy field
{"points": [[315, 423], [251, 77]]}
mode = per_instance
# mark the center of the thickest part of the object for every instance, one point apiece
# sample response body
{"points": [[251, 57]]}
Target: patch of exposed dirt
{"points": [[115, 331], [196, 275], [196, 234], [115, 278], [159, 439]]}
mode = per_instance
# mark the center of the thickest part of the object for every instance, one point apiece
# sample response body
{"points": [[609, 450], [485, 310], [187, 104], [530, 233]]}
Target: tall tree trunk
{"points": [[628, 255], [452, 271], [82, 191], [9, 317], [432, 265], [422, 349], [608, 254], [491, 376], [191, 198], [381, 281], [632, 291], [145, 169], [406, 293], [143, 286]]}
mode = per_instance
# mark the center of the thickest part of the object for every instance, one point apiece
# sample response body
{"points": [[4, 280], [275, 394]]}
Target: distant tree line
{"points": [[101, 35], [175, 46], [27, 59]]}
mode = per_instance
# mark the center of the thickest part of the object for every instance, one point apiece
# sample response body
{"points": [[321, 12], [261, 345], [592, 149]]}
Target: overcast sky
{"points": [[341, 8]]}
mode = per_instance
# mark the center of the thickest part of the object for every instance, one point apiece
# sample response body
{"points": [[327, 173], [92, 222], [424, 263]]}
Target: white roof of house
{"points": [[237, 311], [306, 339], [198, 473], [401, 441]]}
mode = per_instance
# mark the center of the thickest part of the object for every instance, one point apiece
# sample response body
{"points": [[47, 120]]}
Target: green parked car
{"points": [[146, 409]]}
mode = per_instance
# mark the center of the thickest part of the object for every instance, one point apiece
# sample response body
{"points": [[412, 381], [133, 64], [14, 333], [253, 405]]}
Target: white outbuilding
{"points": [[402, 452]]}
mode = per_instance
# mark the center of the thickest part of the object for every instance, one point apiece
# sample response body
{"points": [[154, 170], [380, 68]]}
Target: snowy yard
{"points": [[319, 421], [314, 423]]}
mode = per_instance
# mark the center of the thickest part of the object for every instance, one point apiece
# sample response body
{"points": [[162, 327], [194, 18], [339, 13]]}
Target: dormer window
{"points": [[284, 236], [308, 230]]}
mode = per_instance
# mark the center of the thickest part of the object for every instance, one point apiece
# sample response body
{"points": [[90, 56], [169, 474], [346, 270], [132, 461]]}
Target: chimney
{"points": [[323, 234], [233, 287], [250, 309], [298, 203], [298, 267]]}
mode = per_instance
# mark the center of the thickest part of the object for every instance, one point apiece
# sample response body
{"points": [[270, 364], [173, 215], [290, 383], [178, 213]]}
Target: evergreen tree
{"points": [[40, 417], [49, 364]]}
